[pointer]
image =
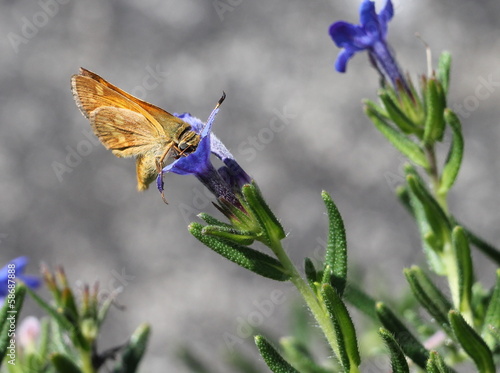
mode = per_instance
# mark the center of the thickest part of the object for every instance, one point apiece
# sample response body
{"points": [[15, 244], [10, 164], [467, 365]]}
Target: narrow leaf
{"points": [[404, 123], [336, 249], [472, 343], [398, 140], [344, 328], [310, 271], [377, 108], [270, 225], [192, 361], [210, 220], [134, 351], [300, 356], [9, 315], [64, 364], [465, 271], [455, 154], [246, 257], [58, 316], [443, 72], [431, 223], [362, 301], [398, 359], [429, 296], [435, 104], [272, 358], [483, 246], [231, 234], [435, 215], [406, 340], [492, 318], [436, 364]]}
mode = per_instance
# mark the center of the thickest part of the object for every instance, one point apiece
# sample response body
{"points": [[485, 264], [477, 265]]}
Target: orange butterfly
{"points": [[132, 127]]}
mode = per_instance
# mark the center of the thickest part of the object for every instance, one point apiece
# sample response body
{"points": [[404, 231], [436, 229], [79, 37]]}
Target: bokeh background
{"points": [[66, 200]]}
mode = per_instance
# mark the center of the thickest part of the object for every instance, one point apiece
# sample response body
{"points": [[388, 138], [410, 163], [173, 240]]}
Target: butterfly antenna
{"points": [[221, 100]]}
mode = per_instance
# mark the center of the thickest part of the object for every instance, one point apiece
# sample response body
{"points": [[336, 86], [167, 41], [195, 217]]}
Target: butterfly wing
{"points": [[91, 91], [127, 133]]}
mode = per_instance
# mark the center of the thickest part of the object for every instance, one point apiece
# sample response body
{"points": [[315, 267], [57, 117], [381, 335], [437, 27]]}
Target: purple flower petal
{"points": [[342, 59], [194, 163], [370, 35], [367, 14], [31, 281], [19, 266]]}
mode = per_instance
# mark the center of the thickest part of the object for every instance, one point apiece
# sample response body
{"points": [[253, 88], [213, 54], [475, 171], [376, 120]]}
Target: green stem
{"points": [[318, 311], [433, 173], [449, 255], [86, 358]]}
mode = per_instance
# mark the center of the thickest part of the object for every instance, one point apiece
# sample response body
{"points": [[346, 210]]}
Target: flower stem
{"points": [[86, 358], [318, 311], [433, 173], [449, 255]]}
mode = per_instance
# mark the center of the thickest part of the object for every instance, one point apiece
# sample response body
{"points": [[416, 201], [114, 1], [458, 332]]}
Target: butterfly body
{"points": [[130, 127]]}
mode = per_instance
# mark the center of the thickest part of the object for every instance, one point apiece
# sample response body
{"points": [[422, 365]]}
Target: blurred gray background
{"points": [[274, 59]]}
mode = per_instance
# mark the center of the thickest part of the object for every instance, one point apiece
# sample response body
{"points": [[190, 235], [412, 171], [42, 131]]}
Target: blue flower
{"points": [[370, 35], [224, 183], [14, 270]]}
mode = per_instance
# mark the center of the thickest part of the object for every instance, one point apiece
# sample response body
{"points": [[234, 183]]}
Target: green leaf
{"points": [[398, 140], [344, 328], [310, 271], [429, 296], [483, 246], [210, 220], [336, 249], [271, 356], [398, 359], [455, 154], [443, 72], [492, 318], [246, 257], [432, 222], [436, 364], [271, 227], [472, 343], [64, 364], [377, 108], [465, 273], [435, 102], [406, 340], [192, 361], [58, 341], [44, 339], [362, 301], [134, 350], [300, 356], [434, 214], [231, 234], [404, 197], [58, 316], [9, 315], [401, 120]]}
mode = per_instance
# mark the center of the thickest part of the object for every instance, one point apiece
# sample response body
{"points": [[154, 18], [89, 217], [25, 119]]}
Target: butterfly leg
{"points": [[159, 170]]}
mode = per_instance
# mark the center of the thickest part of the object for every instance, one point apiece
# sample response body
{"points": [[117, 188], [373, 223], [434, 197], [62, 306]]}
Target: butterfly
{"points": [[131, 127]]}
